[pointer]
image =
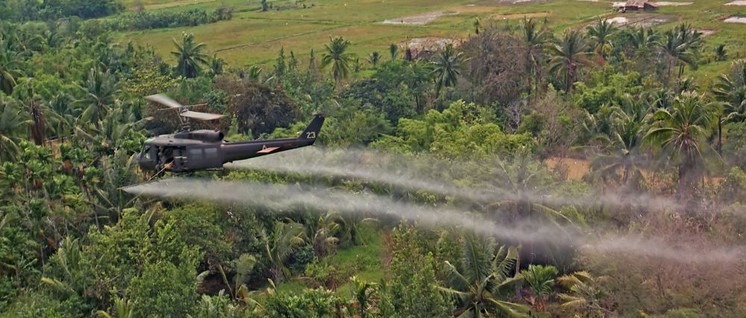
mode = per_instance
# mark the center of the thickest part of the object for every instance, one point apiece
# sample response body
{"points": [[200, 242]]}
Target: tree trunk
{"points": [[720, 135]]}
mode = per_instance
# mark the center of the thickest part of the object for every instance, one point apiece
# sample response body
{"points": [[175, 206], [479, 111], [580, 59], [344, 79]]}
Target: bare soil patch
{"points": [[519, 15], [706, 32], [420, 19], [736, 3], [735, 20], [175, 4], [519, 1], [574, 169], [618, 20], [671, 4]]}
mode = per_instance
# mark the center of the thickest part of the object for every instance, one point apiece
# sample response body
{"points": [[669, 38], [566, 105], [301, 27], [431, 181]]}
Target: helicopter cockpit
{"points": [[148, 157]]}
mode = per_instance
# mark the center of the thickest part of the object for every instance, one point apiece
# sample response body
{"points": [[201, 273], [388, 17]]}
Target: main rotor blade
{"points": [[200, 115], [164, 100]]}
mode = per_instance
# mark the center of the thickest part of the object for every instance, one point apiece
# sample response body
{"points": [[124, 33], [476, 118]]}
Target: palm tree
{"points": [[720, 52], [340, 59], [99, 88], [583, 294], [189, 56], [480, 278], [374, 58], [60, 104], [601, 34], [540, 280], [278, 246], [216, 65], [11, 124], [393, 51], [680, 132], [123, 308], [678, 45], [447, 68], [324, 232], [535, 39], [567, 56], [9, 68], [730, 91], [642, 38], [622, 144]]}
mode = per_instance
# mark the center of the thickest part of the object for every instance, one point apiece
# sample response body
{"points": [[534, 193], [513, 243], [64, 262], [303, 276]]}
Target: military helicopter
{"points": [[204, 149]]}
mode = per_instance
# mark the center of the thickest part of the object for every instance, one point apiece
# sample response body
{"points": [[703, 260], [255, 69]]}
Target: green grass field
{"points": [[255, 37]]}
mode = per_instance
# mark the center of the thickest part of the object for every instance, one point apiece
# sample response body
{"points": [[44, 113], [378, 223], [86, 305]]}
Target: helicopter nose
{"points": [[144, 163]]}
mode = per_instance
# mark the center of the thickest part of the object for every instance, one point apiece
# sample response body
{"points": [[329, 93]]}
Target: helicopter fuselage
{"points": [[205, 149]]}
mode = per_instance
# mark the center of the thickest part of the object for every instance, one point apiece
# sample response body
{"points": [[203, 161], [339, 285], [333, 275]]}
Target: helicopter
{"points": [[204, 149]]}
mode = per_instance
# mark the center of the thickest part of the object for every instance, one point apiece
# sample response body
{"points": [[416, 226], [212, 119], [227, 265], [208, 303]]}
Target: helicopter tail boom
{"points": [[312, 131]]}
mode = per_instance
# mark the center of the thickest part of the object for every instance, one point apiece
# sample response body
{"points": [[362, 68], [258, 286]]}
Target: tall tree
{"points": [[535, 38], [189, 55], [601, 34], [447, 68], [99, 88], [9, 70], [11, 124], [336, 54], [679, 45], [568, 54], [622, 146], [680, 132], [730, 91]]}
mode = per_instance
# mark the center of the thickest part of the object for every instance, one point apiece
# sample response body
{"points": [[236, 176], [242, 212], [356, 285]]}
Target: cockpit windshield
{"points": [[146, 152]]}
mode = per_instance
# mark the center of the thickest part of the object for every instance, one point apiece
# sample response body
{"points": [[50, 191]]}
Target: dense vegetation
{"points": [[495, 108]]}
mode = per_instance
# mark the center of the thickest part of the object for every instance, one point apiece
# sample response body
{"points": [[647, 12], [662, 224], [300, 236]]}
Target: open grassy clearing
{"points": [[255, 37]]}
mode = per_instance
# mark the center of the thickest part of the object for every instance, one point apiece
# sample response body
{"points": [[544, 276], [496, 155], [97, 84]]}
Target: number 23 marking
{"points": [[311, 135]]}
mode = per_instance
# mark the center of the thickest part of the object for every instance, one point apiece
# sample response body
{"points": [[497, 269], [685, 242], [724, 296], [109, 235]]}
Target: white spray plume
{"points": [[415, 173], [283, 197]]}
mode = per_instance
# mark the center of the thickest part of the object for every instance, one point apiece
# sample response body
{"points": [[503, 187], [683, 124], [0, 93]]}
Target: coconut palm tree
{"points": [[730, 91], [99, 88], [583, 293], [374, 58], [189, 55], [540, 280], [9, 68], [216, 65], [324, 232], [601, 34], [337, 56], [622, 151], [11, 125], [447, 68], [481, 277], [535, 38], [279, 244], [393, 51], [678, 45], [720, 52], [680, 132], [642, 38], [567, 56], [65, 114]]}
